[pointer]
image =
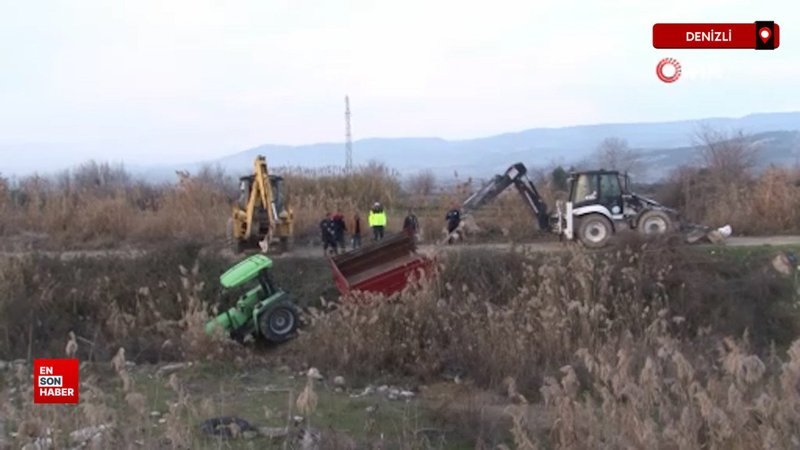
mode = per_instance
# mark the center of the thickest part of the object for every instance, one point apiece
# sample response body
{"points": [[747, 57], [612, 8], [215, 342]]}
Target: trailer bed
{"points": [[382, 267], [377, 270]]}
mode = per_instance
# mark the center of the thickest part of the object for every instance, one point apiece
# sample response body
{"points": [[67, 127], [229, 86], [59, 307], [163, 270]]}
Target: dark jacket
{"points": [[339, 226], [327, 230], [453, 218], [411, 224], [357, 225]]}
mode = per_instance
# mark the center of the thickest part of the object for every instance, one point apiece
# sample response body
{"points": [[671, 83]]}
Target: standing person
{"points": [[453, 218], [411, 224], [377, 221], [328, 233], [356, 231], [339, 228]]}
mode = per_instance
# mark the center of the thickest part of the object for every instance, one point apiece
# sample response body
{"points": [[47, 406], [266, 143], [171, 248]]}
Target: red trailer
{"points": [[382, 267]]}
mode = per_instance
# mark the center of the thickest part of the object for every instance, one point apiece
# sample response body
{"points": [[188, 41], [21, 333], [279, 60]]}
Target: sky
{"points": [[164, 81]]}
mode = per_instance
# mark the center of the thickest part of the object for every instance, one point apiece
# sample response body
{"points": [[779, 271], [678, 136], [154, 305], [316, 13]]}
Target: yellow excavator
{"points": [[261, 217]]}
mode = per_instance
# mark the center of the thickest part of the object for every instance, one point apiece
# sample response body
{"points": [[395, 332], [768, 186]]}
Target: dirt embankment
{"points": [[530, 325], [138, 299]]}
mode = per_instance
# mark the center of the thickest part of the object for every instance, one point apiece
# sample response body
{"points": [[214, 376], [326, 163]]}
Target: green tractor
{"points": [[262, 310]]}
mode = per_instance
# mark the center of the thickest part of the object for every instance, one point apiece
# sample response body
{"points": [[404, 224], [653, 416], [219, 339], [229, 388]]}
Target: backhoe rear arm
{"points": [[516, 175]]}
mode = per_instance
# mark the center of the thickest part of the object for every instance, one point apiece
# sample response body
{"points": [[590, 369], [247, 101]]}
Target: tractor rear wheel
{"points": [[594, 230], [279, 322], [654, 223]]}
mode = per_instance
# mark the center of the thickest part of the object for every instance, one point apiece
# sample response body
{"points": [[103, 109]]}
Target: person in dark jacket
{"points": [[356, 231], [328, 232], [411, 224], [339, 228], [453, 218]]}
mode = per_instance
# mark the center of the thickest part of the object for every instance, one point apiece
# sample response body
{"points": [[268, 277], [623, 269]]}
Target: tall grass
{"points": [[641, 347], [663, 396], [492, 320], [768, 203], [645, 345], [99, 205]]}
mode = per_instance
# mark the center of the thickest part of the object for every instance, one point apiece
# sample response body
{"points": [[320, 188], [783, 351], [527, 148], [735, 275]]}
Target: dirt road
{"points": [[313, 252], [553, 246]]}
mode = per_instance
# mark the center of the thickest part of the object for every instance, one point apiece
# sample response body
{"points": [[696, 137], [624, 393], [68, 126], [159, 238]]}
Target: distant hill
{"points": [[663, 145], [780, 148]]}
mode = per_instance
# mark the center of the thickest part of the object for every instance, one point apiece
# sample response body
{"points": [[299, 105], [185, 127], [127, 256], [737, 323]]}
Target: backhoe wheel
{"points": [[594, 230], [286, 244], [654, 223], [279, 322], [232, 243]]}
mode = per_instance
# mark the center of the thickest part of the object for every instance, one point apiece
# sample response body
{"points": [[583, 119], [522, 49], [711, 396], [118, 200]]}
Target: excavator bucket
{"points": [[698, 233]]}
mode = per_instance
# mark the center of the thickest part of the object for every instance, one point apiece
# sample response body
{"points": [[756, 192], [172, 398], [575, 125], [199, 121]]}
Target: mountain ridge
{"points": [[664, 142], [534, 146]]}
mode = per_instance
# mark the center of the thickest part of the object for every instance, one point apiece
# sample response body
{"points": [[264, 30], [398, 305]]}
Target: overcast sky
{"points": [[168, 81]]}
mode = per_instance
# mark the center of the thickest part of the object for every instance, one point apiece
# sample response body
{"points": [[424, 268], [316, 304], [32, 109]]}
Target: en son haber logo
{"points": [[56, 381]]}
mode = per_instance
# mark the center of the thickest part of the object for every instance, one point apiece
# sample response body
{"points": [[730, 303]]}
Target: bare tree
{"points": [[615, 154], [98, 176], [558, 178], [422, 183], [729, 156], [3, 190]]}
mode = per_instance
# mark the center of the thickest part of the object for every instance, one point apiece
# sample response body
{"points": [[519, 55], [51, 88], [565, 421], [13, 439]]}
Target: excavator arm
{"points": [[261, 215], [516, 175], [261, 193]]}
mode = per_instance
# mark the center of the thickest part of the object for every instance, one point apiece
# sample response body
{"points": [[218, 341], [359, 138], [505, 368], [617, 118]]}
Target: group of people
{"points": [[333, 228]]}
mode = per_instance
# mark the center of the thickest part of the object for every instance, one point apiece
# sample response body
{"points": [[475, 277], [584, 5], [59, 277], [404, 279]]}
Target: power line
{"points": [[348, 162]]}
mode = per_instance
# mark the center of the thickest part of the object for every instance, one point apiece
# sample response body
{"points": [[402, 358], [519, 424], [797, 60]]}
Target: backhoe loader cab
{"points": [[607, 188], [262, 309], [246, 185], [599, 205], [260, 216]]}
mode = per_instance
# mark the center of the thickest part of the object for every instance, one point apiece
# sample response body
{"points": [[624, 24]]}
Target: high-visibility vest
{"points": [[377, 219]]}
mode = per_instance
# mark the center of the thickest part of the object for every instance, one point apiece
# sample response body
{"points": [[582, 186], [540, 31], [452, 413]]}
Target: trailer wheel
{"points": [[654, 222], [594, 230], [279, 322]]}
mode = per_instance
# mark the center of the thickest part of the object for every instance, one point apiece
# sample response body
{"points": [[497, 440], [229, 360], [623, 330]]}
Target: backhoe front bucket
{"points": [[697, 233]]}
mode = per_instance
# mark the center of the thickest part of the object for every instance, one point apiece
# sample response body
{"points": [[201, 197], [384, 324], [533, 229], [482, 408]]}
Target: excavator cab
{"points": [[245, 185], [598, 187], [276, 182]]}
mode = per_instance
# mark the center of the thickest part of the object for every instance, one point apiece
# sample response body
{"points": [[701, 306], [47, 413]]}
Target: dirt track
{"points": [[553, 246], [312, 252]]}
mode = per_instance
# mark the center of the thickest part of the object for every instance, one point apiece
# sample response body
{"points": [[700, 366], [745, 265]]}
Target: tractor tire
{"points": [[654, 223], [594, 230], [279, 322]]}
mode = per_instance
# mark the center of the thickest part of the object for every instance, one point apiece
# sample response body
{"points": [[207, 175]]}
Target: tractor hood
{"points": [[245, 271]]}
